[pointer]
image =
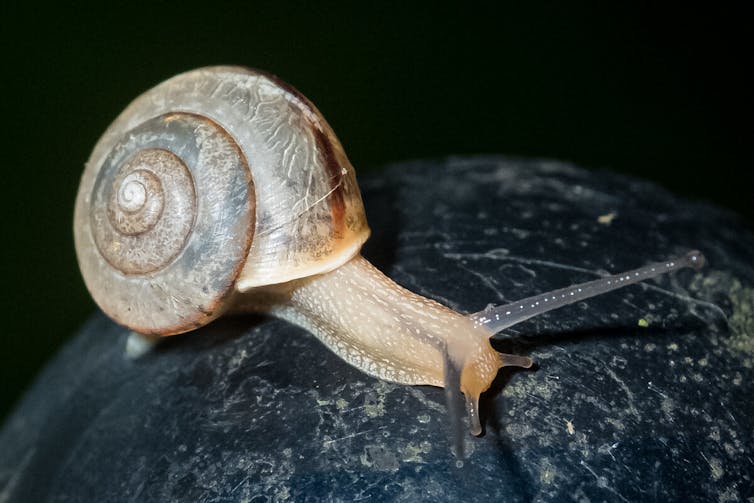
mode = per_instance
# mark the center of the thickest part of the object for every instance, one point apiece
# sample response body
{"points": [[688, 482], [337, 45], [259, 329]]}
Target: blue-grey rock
{"points": [[641, 394]]}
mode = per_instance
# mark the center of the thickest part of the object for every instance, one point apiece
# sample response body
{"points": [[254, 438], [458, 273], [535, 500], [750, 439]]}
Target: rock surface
{"points": [[642, 394]]}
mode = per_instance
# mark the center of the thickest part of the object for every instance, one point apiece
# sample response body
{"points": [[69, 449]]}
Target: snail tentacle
{"points": [[497, 318]]}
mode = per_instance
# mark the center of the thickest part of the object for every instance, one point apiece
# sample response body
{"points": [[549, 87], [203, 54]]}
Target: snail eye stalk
{"points": [[497, 318]]}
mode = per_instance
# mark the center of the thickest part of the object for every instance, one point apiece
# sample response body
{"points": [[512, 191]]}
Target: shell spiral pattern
{"points": [[141, 219], [171, 213], [216, 182]]}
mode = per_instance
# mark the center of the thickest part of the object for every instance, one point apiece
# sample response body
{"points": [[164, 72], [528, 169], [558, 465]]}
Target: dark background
{"points": [[660, 93]]}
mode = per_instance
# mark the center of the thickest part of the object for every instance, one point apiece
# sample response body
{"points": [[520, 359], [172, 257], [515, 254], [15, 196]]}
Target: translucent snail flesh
{"points": [[224, 189]]}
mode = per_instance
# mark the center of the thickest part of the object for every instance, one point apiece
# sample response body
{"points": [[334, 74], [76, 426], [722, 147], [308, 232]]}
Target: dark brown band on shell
{"points": [[335, 173]]}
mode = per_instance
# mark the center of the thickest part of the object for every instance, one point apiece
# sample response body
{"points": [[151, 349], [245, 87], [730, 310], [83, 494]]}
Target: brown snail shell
{"points": [[216, 181]]}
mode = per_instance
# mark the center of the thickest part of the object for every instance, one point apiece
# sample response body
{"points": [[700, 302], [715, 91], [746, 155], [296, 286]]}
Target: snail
{"points": [[224, 190]]}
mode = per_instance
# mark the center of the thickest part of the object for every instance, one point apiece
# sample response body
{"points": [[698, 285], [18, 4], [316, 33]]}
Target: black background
{"points": [[660, 93]]}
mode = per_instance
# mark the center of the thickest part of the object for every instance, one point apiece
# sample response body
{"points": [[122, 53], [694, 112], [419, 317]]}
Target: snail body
{"points": [[223, 189]]}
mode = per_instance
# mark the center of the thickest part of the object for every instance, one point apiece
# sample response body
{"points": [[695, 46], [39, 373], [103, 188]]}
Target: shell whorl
{"points": [[164, 223], [141, 218], [219, 180]]}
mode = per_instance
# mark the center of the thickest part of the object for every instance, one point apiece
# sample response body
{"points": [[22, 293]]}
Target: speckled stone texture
{"points": [[641, 395]]}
